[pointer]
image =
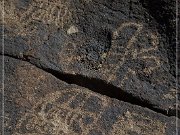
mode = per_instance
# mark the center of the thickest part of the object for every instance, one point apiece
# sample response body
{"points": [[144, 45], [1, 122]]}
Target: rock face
{"points": [[37, 103], [129, 44], [123, 49]]}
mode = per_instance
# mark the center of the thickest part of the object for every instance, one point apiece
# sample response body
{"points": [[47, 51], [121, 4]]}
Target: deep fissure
{"points": [[101, 87]]}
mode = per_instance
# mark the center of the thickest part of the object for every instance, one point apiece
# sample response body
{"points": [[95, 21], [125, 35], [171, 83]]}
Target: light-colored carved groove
{"points": [[130, 42], [123, 125], [130, 51], [129, 123], [56, 13], [72, 114]]}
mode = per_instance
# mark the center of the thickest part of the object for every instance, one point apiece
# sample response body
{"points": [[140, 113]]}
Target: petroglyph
{"points": [[67, 112], [122, 52], [129, 47], [127, 125], [48, 12], [58, 112], [55, 12], [12, 19]]}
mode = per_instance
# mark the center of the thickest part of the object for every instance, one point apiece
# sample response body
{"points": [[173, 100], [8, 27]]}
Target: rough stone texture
{"points": [[37, 103], [127, 43]]}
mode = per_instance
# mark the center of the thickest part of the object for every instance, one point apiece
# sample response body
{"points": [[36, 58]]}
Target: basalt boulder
{"points": [[37, 103], [129, 44]]}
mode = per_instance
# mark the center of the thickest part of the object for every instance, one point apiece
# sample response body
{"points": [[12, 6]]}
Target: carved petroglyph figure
{"points": [[48, 12], [130, 42], [55, 12], [69, 112], [128, 51], [58, 112], [127, 125]]}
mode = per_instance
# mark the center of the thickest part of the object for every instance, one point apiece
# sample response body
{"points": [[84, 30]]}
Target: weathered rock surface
{"points": [[129, 44], [37, 103]]}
